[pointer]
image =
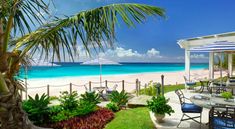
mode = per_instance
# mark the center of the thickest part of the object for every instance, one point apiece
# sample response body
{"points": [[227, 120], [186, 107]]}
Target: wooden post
{"points": [[48, 90], [123, 85], [158, 89], [139, 87], [137, 83], [89, 85], [162, 78], [145, 86], [70, 88], [106, 83]]}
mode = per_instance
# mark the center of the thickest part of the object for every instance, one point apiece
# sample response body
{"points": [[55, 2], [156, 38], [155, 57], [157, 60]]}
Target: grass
{"points": [[167, 88], [136, 118]]}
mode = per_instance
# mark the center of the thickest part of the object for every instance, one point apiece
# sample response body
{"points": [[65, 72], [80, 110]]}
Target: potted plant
{"points": [[158, 105], [227, 95]]}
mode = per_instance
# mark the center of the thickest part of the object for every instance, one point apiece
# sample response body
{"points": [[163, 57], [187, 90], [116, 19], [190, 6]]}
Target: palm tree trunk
{"points": [[12, 116]]}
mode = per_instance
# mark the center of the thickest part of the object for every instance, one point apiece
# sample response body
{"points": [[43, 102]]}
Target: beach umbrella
{"points": [[216, 47], [100, 61]]}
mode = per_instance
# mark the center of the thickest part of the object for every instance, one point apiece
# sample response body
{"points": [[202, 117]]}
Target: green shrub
{"points": [[69, 101], [151, 89], [90, 97], [159, 105], [54, 111], [227, 95], [71, 106], [85, 107], [119, 98], [37, 108], [53, 98], [113, 107], [63, 115]]}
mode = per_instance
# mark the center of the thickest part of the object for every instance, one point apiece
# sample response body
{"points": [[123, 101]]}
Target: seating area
{"points": [[194, 111], [188, 108]]}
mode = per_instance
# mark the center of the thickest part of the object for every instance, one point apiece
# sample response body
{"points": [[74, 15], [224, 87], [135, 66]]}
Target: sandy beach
{"points": [[81, 83]]}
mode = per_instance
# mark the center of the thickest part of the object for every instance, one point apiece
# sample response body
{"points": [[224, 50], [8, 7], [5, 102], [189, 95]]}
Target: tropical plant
{"points": [[227, 95], [113, 106], [71, 107], [90, 97], [85, 107], [152, 88], [69, 101], [53, 112], [37, 108], [51, 98], [119, 98], [159, 105], [56, 38]]}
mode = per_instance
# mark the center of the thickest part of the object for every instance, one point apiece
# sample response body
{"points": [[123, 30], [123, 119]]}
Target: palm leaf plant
{"points": [[56, 38], [37, 108]]}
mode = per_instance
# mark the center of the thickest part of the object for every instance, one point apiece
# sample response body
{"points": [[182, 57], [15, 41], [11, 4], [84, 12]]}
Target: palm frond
{"points": [[25, 13], [93, 28]]}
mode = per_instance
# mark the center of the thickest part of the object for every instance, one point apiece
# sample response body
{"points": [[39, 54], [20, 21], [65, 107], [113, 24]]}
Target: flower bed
{"points": [[95, 120]]}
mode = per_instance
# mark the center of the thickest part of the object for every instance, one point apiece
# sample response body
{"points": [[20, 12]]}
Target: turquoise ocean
{"points": [[75, 69]]}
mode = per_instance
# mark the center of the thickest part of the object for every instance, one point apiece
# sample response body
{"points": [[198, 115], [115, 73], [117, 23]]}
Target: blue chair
{"points": [[222, 118], [188, 108]]}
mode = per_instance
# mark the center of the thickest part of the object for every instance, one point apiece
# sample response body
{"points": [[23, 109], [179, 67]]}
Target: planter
{"points": [[159, 117]]}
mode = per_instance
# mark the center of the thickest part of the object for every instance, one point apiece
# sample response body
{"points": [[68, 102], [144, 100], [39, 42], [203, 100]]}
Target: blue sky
{"points": [[156, 40]]}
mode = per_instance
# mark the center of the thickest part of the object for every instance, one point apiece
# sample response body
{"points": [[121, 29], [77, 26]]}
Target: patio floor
{"points": [[172, 121]]}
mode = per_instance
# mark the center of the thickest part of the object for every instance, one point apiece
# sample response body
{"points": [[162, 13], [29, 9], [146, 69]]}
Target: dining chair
{"points": [[222, 118], [188, 108]]}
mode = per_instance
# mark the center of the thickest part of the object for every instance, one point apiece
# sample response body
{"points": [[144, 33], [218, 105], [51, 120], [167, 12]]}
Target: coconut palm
{"points": [[57, 38]]}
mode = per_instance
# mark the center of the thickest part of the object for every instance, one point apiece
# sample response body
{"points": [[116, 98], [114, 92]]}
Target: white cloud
{"points": [[194, 56], [153, 52], [198, 56], [122, 54]]}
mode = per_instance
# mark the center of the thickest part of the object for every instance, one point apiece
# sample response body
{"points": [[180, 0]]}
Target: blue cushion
{"points": [[223, 123], [232, 80], [191, 108], [190, 83]]}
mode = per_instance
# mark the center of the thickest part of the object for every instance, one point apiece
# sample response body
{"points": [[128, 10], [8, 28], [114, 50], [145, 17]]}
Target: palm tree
{"points": [[56, 38]]}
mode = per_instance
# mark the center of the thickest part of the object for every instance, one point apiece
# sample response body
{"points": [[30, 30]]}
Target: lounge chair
{"points": [[188, 108], [110, 90], [188, 83]]}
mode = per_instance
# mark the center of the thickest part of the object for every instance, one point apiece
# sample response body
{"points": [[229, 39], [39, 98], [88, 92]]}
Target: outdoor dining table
{"points": [[100, 90], [207, 101]]}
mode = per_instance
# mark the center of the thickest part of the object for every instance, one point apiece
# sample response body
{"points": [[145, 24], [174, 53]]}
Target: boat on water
{"points": [[37, 62]]}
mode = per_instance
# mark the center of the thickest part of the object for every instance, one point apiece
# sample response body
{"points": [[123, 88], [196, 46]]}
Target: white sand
{"points": [[170, 78]]}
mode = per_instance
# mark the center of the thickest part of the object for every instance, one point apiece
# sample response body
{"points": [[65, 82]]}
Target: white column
{"points": [[187, 64], [230, 64], [211, 65]]}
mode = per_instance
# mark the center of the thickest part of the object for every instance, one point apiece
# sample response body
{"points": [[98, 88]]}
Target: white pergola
{"points": [[190, 43]]}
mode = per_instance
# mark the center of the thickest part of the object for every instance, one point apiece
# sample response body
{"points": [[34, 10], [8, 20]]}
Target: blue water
{"points": [[75, 69]]}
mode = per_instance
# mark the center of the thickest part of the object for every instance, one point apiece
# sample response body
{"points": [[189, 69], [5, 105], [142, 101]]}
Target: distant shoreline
{"points": [[69, 70], [115, 75], [79, 83]]}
